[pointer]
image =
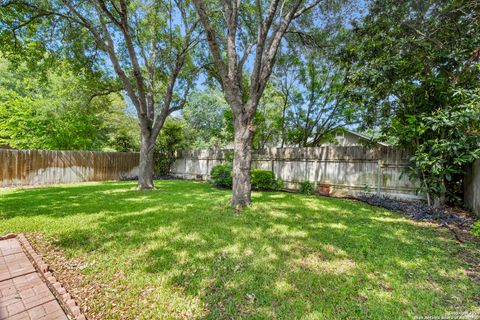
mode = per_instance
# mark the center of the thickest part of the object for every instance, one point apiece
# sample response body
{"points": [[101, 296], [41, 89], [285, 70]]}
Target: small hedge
{"points": [[221, 176], [263, 180], [306, 187], [476, 228]]}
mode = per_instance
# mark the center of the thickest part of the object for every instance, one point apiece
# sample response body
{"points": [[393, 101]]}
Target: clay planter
{"points": [[324, 189]]}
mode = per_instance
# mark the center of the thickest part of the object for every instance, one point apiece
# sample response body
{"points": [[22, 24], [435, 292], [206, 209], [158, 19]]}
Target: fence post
{"points": [[306, 164], [379, 177], [208, 165]]}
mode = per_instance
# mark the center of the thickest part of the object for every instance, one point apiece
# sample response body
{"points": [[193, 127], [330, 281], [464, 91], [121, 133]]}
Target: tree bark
{"points": [[145, 170], [242, 187]]}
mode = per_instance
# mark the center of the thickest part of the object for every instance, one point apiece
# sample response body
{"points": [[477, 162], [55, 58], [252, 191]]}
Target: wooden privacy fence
{"points": [[335, 170], [37, 167], [472, 187]]}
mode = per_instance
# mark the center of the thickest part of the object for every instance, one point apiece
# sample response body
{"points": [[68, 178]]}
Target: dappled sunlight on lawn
{"points": [[321, 264], [184, 253]]}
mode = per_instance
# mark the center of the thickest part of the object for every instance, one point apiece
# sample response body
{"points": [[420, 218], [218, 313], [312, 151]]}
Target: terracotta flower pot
{"points": [[325, 189]]}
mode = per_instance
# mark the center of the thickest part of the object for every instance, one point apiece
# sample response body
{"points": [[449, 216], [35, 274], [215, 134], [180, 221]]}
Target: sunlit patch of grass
{"points": [[180, 251], [322, 264]]}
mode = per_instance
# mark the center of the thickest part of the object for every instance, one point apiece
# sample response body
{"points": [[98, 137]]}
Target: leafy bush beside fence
{"points": [[171, 138], [306, 187], [263, 180], [221, 176]]}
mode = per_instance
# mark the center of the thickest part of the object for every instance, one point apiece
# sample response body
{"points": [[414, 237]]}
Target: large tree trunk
{"points": [[242, 187], [145, 172]]}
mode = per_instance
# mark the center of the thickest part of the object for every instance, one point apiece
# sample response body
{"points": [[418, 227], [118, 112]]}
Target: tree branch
{"points": [[306, 8], [212, 41], [137, 73], [106, 43]]}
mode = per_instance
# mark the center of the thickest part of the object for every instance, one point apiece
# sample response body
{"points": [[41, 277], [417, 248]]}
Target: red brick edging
{"points": [[63, 297]]}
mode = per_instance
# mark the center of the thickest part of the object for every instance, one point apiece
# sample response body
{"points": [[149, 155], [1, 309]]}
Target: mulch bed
{"points": [[421, 211], [457, 220]]}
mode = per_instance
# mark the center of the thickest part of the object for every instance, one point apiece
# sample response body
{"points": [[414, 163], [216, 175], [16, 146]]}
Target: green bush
{"points": [[476, 228], [280, 184], [221, 175], [306, 187], [263, 180], [170, 139]]}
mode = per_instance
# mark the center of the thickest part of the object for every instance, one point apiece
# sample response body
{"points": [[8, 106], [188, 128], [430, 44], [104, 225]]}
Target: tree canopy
{"points": [[414, 69], [61, 109]]}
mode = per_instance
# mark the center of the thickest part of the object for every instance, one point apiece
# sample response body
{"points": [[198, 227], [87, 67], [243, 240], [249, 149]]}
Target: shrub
{"points": [[476, 228], [280, 184], [221, 175], [170, 139], [306, 187], [263, 180]]}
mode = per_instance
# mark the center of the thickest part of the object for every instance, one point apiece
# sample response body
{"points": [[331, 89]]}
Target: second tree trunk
{"points": [[146, 166], [241, 196]]}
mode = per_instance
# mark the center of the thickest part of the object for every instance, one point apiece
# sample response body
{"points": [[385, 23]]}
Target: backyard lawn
{"points": [[180, 252]]}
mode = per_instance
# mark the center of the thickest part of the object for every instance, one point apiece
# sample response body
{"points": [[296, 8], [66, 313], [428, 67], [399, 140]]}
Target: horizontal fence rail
{"points": [[336, 170], [39, 167]]}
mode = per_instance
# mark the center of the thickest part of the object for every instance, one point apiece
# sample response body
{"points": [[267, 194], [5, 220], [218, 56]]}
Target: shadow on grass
{"points": [[288, 256]]}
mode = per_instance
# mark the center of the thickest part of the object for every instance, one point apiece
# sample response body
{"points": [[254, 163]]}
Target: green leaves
{"points": [[450, 141], [171, 138], [408, 57], [61, 108], [205, 119], [413, 74]]}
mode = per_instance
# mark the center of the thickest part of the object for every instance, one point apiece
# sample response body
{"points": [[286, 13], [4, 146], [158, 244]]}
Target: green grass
{"points": [[180, 252]]}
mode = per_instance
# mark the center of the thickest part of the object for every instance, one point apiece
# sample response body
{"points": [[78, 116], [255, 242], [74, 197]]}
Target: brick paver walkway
{"points": [[23, 294]]}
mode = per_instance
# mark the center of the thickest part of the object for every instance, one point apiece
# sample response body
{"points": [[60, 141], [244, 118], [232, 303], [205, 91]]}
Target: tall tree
{"points": [[149, 45], [286, 82], [246, 33], [409, 60], [314, 105]]}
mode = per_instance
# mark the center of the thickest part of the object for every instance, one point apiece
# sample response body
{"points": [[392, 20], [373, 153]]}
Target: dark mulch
{"points": [[421, 211]]}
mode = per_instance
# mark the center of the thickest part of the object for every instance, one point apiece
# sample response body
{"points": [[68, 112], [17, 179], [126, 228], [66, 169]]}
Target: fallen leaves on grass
{"points": [[68, 272]]}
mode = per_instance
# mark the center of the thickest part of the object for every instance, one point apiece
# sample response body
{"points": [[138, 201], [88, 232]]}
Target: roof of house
{"points": [[366, 137]]}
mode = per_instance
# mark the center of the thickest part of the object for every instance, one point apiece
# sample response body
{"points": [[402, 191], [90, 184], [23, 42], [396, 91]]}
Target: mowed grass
{"points": [[180, 252]]}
